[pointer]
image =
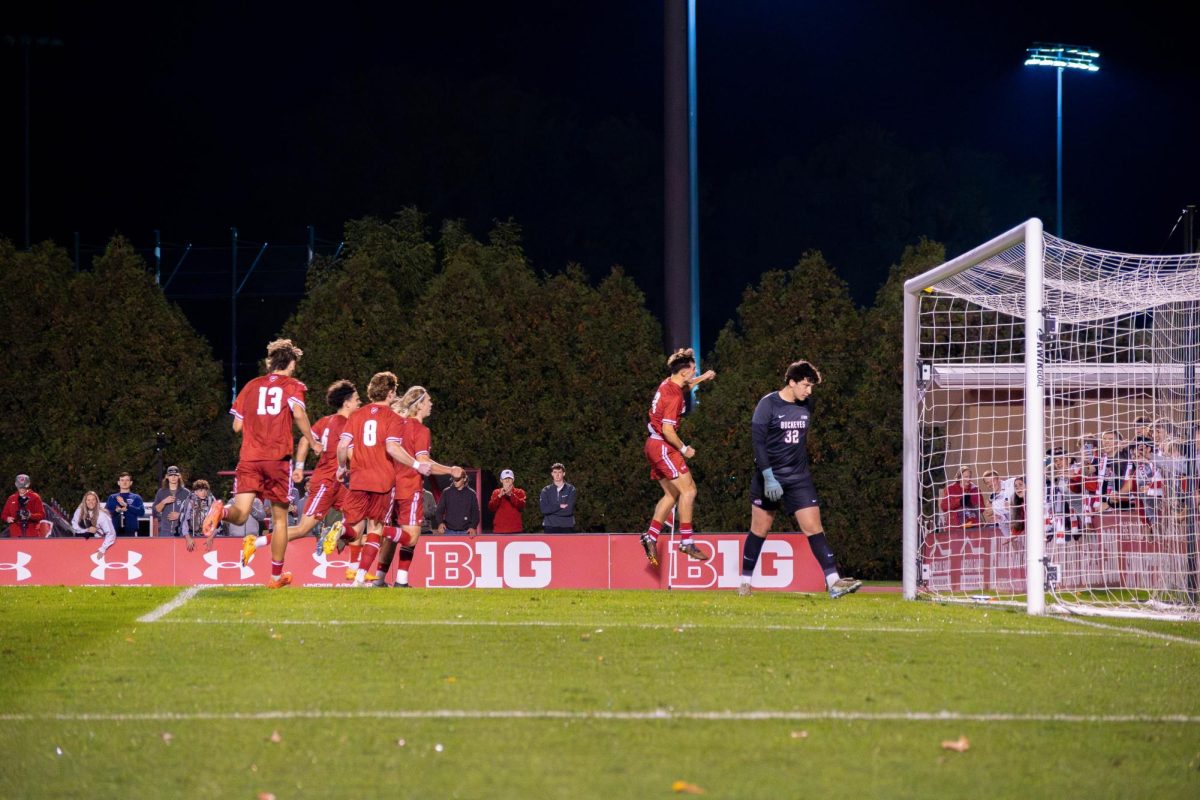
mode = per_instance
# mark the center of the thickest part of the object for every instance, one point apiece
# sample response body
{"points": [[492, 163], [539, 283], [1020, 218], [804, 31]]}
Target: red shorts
{"points": [[324, 496], [360, 505], [268, 480], [665, 460], [410, 509]]}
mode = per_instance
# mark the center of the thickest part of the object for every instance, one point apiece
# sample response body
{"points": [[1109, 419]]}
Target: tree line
{"points": [[525, 369]]}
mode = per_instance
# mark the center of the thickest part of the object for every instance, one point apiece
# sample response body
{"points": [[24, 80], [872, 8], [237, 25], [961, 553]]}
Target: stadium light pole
{"points": [[1061, 57]]}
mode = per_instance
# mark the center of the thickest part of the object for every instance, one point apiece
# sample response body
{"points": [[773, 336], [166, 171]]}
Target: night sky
{"points": [[195, 119]]}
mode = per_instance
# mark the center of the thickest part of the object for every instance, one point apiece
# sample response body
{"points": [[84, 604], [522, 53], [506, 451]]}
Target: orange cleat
{"points": [[284, 580], [213, 518]]}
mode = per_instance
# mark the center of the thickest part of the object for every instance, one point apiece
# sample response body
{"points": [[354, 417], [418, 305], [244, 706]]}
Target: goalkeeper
{"points": [[779, 431]]}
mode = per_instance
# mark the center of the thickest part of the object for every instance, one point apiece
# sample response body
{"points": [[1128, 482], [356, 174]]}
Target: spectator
{"points": [[1110, 471], [1144, 482], [92, 519], [458, 508], [193, 511], [429, 515], [998, 510], [963, 500], [168, 501], [1064, 505], [557, 502], [507, 503], [1018, 506], [125, 506], [24, 510]]}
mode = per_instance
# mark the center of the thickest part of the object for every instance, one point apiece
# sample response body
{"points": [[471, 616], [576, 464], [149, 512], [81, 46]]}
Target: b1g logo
{"points": [[460, 565], [130, 566], [724, 569]]}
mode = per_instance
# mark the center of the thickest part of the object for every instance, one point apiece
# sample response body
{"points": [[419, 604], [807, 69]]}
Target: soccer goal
{"points": [[1050, 429]]}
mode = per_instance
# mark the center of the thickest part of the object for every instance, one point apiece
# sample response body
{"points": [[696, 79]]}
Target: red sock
{"points": [[355, 553], [276, 569], [685, 530], [392, 532], [404, 557], [654, 529], [369, 551]]}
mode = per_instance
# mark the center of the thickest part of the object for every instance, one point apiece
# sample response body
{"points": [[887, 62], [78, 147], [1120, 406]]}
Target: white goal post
{"points": [[1051, 430]]}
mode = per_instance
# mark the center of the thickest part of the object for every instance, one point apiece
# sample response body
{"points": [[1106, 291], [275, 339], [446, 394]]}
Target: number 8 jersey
{"points": [[265, 408]]}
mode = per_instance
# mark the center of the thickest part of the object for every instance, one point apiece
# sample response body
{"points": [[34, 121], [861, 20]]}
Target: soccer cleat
{"points": [[379, 583], [248, 548], [350, 573], [399, 585], [333, 539], [371, 577], [280, 582], [744, 590], [844, 586], [693, 552], [651, 548], [358, 584], [213, 518]]}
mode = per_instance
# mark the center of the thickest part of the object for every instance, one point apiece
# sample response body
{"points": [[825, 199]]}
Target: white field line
{"points": [[617, 716], [639, 625], [166, 608], [1168, 637]]}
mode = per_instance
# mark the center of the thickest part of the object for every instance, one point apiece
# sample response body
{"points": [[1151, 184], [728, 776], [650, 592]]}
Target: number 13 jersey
{"points": [[265, 408]]}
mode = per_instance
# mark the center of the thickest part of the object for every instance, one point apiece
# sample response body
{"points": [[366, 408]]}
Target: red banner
{"points": [[1122, 552], [568, 561]]}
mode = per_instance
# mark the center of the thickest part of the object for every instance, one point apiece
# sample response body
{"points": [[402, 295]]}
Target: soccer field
{"points": [[444, 693]]}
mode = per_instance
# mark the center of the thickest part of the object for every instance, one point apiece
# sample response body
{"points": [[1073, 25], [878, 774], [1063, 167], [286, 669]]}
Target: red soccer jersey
{"points": [[368, 431], [327, 431], [265, 408], [666, 408], [415, 438]]}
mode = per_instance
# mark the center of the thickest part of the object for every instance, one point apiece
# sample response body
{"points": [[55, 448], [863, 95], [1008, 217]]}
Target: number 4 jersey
{"points": [[265, 408]]}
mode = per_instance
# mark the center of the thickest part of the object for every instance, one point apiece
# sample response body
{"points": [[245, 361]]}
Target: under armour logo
{"points": [[19, 567], [216, 565], [129, 566], [324, 564]]}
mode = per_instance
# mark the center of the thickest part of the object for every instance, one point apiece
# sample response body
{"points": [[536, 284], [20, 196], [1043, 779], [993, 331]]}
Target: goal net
{"points": [[1050, 429]]}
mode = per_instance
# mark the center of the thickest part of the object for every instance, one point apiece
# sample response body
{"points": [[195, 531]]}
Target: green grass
{"points": [[234, 666]]}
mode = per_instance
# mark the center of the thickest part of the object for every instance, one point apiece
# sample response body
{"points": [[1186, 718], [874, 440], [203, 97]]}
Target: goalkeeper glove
{"points": [[771, 487]]}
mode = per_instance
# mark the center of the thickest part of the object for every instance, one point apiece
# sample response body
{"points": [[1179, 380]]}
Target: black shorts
{"points": [[798, 493]]}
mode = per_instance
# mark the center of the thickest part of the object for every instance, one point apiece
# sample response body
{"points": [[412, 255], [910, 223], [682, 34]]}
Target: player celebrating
{"points": [[324, 490], [368, 446], [666, 453], [414, 407], [263, 413], [779, 431]]}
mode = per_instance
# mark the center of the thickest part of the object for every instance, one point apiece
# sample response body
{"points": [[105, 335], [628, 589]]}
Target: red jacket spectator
{"points": [[24, 511], [963, 500], [506, 504]]}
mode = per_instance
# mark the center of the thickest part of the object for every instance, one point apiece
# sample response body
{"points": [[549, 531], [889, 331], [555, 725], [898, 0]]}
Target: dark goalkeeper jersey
{"points": [[779, 431]]}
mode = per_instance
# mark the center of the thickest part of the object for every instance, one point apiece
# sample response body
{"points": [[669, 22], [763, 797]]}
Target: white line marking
{"points": [[168, 607], [1169, 637], [618, 716], [641, 625]]}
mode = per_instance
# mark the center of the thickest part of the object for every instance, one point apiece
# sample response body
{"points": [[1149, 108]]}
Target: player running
{"points": [[368, 446], [263, 413], [666, 453], [779, 431], [414, 407], [324, 490]]}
